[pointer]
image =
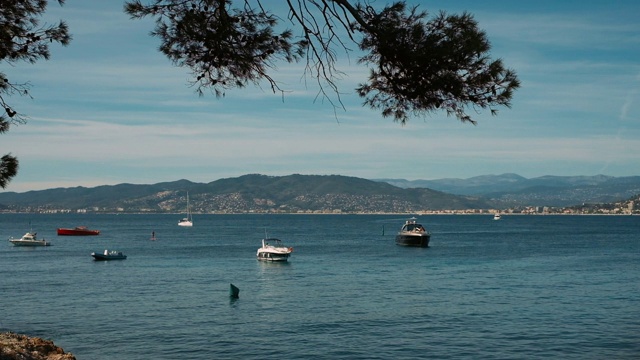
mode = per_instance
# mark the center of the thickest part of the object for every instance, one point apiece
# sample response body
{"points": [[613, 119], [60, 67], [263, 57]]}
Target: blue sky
{"points": [[111, 109]]}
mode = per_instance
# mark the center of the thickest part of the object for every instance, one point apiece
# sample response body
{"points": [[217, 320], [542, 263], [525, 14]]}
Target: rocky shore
{"points": [[22, 347]]}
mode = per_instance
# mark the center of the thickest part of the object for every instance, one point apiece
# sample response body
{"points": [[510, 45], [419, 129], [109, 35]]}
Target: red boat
{"points": [[77, 231]]}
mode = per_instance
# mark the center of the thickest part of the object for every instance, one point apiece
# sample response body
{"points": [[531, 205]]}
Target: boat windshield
{"points": [[273, 242], [413, 227]]}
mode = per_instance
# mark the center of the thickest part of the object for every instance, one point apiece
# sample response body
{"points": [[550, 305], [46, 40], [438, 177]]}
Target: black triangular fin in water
{"points": [[234, 292]]}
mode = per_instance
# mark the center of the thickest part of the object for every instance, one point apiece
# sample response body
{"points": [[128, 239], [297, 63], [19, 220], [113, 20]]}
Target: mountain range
{"points": [[329, 193], [539, 191], [248, 193]]}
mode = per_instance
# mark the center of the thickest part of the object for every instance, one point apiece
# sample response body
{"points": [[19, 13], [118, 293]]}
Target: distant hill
{"points": [[542, 191], [83, 197], [478, 185], [248, 193], [329, 193]]}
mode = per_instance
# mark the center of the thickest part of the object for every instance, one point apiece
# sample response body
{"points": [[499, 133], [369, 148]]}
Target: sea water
{"points": [[524, 287]]}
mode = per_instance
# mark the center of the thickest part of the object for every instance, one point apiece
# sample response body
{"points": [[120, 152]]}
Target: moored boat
{"points": [[413, 234], [188, 220], [109, 255], [29, 239], [273, 250], [77, 231]]}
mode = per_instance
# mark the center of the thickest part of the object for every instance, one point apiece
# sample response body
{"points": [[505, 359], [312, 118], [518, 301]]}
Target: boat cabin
{"points": [[272, 242], [412, 226]]}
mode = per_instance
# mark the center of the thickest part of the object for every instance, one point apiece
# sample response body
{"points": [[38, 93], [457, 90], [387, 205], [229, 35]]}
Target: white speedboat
{"points": [[273, 250], [29, 239], [413, 234], [497, 217], [109, 255]]}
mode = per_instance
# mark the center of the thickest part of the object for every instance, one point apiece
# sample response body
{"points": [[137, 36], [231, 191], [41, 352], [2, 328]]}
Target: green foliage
{"points": [[8, 169], [22, 39], [224, 47], [420, 67], [417, 66]]}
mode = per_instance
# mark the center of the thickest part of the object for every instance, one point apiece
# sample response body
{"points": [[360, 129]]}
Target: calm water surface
{"points": [[529, 287]]}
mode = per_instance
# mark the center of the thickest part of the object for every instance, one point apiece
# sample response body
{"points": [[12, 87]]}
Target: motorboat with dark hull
{"points": [[109, 255], [273, 250], [413, 234]]}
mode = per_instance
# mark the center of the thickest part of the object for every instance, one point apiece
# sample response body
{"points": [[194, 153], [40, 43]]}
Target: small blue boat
{"points": [[109, 255]]}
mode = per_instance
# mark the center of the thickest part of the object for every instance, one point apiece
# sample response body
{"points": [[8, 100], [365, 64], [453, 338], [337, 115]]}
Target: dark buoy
{"points": [[234, 292]]}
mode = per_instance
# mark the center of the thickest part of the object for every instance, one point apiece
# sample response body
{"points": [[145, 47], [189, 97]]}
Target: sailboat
{"points": [[187, 221]]}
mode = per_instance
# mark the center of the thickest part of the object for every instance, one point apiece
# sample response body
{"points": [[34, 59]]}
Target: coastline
{"points": [[18, 347], [417, 213]]}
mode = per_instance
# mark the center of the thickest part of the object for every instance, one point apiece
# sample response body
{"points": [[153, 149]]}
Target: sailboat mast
{"points": [[188, 208]]}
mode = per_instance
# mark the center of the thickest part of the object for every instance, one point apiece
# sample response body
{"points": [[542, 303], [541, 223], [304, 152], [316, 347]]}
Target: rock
{"points": [[22, 347]]}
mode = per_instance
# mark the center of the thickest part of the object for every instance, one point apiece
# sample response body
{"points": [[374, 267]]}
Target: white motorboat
{"points": [[497, 217], [413, 234], [29, 239], [273, 250]]}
